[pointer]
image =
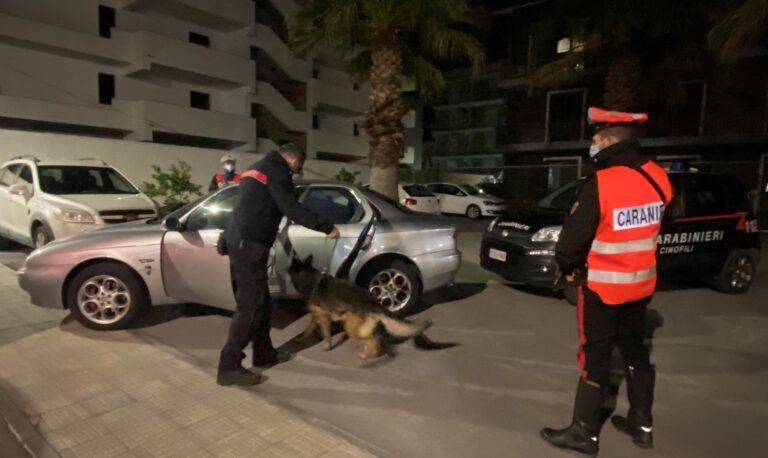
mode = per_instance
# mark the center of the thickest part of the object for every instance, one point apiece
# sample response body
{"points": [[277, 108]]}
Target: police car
{"points": [[708, 233]]}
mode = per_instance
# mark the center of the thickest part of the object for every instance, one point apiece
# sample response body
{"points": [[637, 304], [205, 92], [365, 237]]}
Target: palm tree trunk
{"points": [[384, 119]]}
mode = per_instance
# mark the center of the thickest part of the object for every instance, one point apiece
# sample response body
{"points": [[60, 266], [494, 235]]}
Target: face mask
{"points": [[593, 150], [229, 167]]}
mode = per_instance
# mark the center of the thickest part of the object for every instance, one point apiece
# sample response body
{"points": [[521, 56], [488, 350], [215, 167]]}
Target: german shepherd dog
{"points": [[329, 299]]}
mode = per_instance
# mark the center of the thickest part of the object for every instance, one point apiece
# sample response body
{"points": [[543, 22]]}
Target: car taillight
{"points": [[410, 202]]}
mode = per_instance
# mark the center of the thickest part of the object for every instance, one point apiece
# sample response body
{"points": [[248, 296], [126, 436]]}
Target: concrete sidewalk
{"points": [[111, 394]]}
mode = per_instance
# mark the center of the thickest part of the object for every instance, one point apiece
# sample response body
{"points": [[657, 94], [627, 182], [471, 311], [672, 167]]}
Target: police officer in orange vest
{"points": [[607, 250], [228, 177]]}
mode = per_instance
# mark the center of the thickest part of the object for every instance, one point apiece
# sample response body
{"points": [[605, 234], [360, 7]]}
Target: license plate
{"points": [[497, 255]]}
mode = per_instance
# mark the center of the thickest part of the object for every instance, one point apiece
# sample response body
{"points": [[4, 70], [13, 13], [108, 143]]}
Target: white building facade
{"points": [[201, 73]]}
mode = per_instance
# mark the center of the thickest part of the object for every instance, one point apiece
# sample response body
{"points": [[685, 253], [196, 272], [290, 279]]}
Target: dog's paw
{"points": [[327, 346]]}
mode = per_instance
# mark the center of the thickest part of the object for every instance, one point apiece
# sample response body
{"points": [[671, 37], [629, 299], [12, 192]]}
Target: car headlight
{"points": [[75, 216], [547, 234], [493, 224], [490, 202]]}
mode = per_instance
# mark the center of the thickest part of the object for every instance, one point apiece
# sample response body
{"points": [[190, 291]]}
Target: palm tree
{"points": [[388, 40], [740, 28]]}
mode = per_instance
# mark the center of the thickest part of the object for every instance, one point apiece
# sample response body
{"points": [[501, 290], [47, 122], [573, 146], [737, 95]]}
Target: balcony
{"points": [[223, 15], [338, 144], [265, 39], [338, 100], [179, 120], [281, 108], [184, 61], [63, 42], [97, 117]]}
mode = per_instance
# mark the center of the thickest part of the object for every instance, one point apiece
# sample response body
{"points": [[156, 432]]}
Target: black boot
{"points": [[638, 423], [267, 359], [583, 434]]}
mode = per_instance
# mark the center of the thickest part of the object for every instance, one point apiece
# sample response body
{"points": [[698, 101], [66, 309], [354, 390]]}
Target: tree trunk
{"points": [[384, 119]]}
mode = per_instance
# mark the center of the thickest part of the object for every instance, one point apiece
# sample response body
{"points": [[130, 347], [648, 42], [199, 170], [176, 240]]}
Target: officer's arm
{"points": [[578, 230], [281, 189], [213, 186]]}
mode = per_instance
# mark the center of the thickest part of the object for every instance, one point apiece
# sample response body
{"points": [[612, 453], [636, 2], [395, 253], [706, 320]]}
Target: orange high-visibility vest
{"points": [[621, 264], [221, 181]]}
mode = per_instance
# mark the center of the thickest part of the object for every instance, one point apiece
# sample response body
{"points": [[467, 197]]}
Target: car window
{"points": [[25, 178], [335, 204], [74, 179], [706, 196], [471, 190], [415, 190], [738, 199], [215, 212], [8, 174]]}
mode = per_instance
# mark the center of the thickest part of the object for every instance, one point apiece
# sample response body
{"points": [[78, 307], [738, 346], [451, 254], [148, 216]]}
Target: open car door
{"points": [[193, 271], [352, 214]]}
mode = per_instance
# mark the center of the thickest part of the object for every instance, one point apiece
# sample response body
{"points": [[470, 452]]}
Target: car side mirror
{"points": [[19, 190], [173, 224]]}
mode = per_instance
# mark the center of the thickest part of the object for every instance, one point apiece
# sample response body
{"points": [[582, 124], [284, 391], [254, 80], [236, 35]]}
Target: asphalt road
{"points": [[515, 371]]}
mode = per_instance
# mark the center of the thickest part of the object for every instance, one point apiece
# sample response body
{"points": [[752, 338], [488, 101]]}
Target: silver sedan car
{"points": [[109, 277]]}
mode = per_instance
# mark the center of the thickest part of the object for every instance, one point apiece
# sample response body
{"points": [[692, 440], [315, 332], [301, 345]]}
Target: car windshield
{"points": [[471, 190], [75, 179], [561, 199], [416, 190]]}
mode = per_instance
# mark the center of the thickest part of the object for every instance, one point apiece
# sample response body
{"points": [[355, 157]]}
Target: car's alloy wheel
{"points": [[474, 212], [394, 283], [392, 288], [737, 274], [104, 299], [107, 296]]}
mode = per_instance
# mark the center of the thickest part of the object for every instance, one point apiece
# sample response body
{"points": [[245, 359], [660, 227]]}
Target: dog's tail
{"points": [[423, 342], [403, 329]]}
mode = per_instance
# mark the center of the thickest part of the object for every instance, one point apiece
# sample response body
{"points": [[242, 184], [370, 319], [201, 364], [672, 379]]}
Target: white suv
{"points": [[41, 201]]}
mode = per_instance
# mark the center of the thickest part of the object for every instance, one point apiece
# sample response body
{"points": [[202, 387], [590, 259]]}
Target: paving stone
{"points": [[106, 446], [65, 416], [76, 433], [106, 402]]}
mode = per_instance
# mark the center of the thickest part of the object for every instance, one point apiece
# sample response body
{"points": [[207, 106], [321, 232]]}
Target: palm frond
{"points": [[452, 44], [430, 81], [360, 65], [742, 27]]}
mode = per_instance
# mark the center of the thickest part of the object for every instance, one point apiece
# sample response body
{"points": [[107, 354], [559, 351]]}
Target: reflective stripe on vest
{"points": [[620, 278], [256, 175], [599, 246]]}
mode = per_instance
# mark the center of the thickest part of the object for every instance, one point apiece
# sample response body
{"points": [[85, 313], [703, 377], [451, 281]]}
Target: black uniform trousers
{"points": [[602, 327], [251, 321]]}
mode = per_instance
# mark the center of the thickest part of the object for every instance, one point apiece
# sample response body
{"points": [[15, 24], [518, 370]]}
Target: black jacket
{"points": [[581, 225], [261, 206]]}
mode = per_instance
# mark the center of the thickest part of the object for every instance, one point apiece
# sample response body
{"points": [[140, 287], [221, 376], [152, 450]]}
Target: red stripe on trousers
{"points": [[582, 336]]}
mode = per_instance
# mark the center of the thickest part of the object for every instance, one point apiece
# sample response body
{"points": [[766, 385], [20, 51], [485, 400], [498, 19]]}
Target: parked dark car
{"points": [[708, 232]]}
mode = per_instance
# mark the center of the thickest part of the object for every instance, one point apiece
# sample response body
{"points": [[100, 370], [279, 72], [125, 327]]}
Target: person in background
{"points": [[228, 176]]}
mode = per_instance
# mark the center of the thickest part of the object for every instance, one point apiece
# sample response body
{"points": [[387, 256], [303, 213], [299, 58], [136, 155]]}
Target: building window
{"points": [[356, 86], [199, 39], [315, 73], [200, 100], [106, 88], [315, 122], [356, 130], [106, 21]]}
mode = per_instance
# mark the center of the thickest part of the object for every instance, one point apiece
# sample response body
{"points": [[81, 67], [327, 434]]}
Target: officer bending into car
{"points": [[266, 194], [607, 250]]}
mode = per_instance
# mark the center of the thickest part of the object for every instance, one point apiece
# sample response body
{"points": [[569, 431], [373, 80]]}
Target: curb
{"points": [[29, 438]]}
